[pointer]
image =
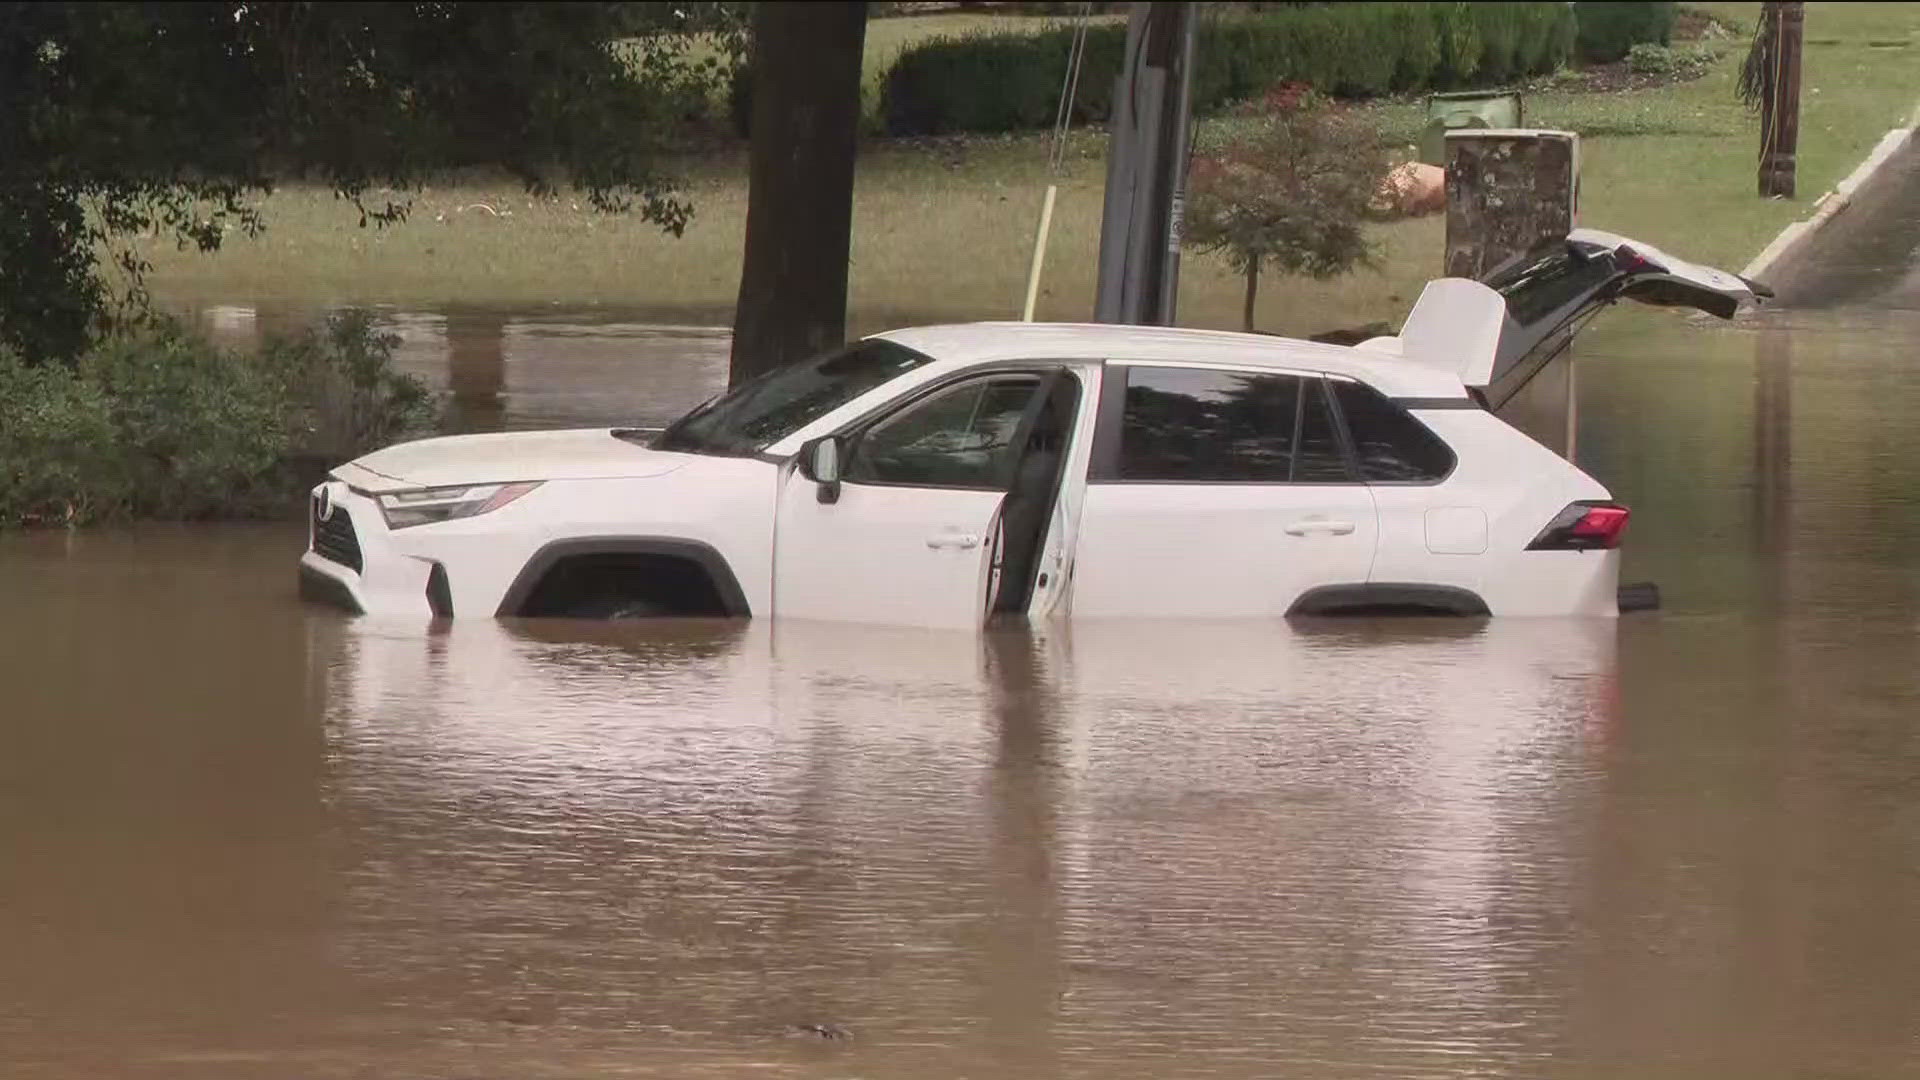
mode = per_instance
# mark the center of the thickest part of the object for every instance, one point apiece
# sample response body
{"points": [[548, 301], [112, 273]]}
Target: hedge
{"points": [[154, 421], [1011, 81], [1608, 31]]}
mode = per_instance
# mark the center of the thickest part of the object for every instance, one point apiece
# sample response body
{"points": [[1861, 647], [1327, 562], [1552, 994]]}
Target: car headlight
{"points": [[405, 509]]}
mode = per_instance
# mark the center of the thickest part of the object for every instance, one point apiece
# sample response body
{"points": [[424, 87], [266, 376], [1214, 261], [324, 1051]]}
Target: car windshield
{"points": [[769, 407]]}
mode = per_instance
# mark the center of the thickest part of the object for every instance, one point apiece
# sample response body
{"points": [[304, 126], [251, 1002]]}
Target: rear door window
{"points": [[1389, 445], [1191, 425], [1186, 424]]}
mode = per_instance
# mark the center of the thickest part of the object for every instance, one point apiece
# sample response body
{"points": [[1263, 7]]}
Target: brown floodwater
{"points": [[240, 838]]}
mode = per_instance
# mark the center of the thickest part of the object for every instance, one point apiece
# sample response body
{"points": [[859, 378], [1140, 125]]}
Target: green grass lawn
{"points": [[943, 232]]}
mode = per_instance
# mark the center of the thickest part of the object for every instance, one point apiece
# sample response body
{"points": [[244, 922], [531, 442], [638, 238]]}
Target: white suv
{"points": [[938, 476]]}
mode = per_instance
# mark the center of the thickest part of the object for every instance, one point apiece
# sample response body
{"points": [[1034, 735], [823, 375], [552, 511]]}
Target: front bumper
{"points": [[350, 562], [328, 583]]}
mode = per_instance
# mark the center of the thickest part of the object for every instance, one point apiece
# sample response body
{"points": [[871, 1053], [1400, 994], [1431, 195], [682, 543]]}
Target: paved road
{"points": [[1870, 255]]}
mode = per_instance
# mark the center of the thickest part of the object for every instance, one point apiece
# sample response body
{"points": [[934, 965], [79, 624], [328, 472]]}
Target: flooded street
{"points": [[241, 838]]}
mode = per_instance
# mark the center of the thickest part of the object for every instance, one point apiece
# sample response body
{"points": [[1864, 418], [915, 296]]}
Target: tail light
{"points": [[1629, 260], [1583, 526]]}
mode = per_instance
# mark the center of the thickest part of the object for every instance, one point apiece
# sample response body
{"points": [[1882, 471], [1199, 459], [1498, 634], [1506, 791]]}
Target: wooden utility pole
{"points": [[1780, 104]]}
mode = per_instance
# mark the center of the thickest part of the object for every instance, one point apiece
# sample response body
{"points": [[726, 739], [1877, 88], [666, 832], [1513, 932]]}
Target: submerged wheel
{"points": [[614, 607], [1640, 596]]}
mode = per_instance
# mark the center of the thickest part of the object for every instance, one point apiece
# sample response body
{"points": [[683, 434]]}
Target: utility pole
{"points": [[1147, 154], [1780, 104]]}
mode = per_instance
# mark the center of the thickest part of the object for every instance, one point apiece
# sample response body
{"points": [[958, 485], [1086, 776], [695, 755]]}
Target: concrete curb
{"points": [[1833, 203]]}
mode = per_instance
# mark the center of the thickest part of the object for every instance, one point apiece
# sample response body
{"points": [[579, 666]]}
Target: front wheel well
{"points": [[673, 579]]}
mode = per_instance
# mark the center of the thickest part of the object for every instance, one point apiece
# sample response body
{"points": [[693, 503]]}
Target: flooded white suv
{"points": [[941, 475]]}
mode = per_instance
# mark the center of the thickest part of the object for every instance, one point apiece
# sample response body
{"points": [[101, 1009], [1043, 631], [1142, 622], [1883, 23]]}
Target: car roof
{"points": [[982, 342]]}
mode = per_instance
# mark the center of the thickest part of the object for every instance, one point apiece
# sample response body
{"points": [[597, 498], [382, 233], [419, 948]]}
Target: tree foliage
{"points": [[1289, 190], [124, 119]]}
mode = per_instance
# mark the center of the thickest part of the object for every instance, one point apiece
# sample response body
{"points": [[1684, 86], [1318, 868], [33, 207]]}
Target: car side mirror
{"points": [[820, 463]]}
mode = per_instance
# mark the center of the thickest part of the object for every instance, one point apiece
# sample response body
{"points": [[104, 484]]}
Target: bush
{"points": [[58, 447], [156, 422], [1011, 81], [1684, 61], [1609, 30], [339, 394], [197, 429]]}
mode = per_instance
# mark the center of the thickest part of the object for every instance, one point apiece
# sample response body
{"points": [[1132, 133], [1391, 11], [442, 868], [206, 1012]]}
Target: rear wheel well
{"points": [[1375, 599], [586, 581]]}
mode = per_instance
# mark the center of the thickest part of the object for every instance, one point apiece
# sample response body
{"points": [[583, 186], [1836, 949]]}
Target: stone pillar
{"points": [[1508, 191]]}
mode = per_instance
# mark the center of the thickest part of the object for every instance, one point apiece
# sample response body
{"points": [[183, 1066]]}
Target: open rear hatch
{"points": [[1498, 334], [1551, 292]]}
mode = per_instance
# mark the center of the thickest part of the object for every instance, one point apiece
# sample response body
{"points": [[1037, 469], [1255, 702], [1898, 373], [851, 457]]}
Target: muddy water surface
{"points": [[243, 839]]}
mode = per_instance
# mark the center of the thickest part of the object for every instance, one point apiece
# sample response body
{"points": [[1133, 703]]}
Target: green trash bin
{"points": [[1466, 109]]}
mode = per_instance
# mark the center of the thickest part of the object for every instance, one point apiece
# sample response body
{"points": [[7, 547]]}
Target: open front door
{"points": [[906, 556], [907, 534]]}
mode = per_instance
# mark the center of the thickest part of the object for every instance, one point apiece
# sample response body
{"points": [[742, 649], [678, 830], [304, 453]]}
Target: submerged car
{"points": [[942, 475]]}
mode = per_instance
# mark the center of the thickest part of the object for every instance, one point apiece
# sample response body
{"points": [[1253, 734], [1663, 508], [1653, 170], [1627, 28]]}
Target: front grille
{"points": [[334, 538]]}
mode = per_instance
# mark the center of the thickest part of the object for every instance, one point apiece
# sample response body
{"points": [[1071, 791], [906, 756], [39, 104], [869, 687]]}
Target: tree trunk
{"points": [[806, 116], [1253, 289]]}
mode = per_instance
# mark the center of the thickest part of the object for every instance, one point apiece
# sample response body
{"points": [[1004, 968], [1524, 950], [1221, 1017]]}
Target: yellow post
{"points": [[1039, 252], [1573, 413]]}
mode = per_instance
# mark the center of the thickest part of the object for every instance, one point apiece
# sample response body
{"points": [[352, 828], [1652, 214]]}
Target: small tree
{"points": [[1289, 188]]}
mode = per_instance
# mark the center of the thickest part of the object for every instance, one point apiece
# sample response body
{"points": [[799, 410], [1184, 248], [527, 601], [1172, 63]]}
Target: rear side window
{"points": [[1388, 443], [1200, 426], [1318, 457]]}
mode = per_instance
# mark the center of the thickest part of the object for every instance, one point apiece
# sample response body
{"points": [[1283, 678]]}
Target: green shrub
{"points": [[156, 422], [1457, 34], [1500, 43], [1687, 62], [340, 395], [1547, 35], [198, 429], [1414, 27], [1010, 81], [58, 447], [1609, 30]]}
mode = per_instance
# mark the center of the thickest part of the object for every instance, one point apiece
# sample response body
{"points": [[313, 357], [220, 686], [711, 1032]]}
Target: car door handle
{"points": [[1325, 528], [961, 541]]}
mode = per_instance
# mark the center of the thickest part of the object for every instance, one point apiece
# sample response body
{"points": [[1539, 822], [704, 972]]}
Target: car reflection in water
{"points": [[1027, 838]]}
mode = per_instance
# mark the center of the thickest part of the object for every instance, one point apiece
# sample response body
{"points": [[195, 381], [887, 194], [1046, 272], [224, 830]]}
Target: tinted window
{"points": [[1389, 443], [1555, 278], [1189, 424], [962, 437], [765, 409], [1317, 456]]}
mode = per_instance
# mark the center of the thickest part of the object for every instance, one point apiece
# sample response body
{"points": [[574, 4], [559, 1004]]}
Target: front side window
{"points": [[1201, 426], [765, 409], [961, 437], [1389, 444]]}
